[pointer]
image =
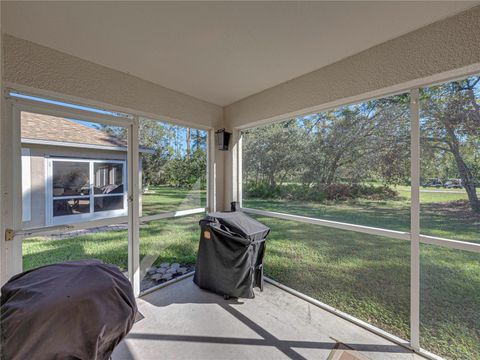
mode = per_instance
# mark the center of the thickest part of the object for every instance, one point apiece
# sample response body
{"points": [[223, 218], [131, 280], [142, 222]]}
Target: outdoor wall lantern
{"points": [[223, 137]]}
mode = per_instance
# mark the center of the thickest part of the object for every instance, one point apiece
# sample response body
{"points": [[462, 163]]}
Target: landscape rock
{"points": [[166, 277], [182, 270], [165, 265], [157, 277]]}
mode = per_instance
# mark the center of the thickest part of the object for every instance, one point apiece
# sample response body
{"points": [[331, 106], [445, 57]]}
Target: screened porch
{"points": [[353, 137]]}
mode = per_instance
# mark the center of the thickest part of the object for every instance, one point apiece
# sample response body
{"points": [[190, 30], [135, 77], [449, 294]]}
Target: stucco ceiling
{"points": [[218, 51]]}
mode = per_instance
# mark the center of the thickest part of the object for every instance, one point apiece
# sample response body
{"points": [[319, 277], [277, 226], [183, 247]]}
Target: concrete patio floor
{"points": [[182, 321]]}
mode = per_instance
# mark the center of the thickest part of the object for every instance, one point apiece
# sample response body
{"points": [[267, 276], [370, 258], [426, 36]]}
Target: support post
{"points": [[211, 173], [239, 168], [11, 191], [133, 207], [415, 220]]}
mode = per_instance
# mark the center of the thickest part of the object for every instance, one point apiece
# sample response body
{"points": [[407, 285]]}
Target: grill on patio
{"points": [[230, 255]]}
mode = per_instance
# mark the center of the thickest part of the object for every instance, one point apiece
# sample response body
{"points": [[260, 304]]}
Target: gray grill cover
{"points": [[230, 254], [73, 310]]}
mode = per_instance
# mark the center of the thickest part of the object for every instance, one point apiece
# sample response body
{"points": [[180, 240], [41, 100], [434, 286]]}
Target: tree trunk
{"points": [[468, 180], [332, 170], [271, 180], [188, 143]]}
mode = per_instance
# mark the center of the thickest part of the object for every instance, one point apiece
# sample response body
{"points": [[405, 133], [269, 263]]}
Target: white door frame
{"points": [[12, 189]]}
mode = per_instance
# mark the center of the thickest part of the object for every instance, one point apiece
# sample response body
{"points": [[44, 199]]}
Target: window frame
{"points": [[415, 174], [50, 219], [210, 205], [414, 235]]}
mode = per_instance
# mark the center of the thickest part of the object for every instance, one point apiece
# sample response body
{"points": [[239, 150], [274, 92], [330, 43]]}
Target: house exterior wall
{"points": [[38, 157]]}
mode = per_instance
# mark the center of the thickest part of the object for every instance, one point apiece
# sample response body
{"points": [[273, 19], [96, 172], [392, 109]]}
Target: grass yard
{"points": [[443, 213], [174, 240], [369, 276], [366, 276], [163, 198]]}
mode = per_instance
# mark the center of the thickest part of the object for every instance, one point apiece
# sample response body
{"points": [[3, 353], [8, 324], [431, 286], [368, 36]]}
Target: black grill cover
{"points": [[73, 310], [230, 254]]}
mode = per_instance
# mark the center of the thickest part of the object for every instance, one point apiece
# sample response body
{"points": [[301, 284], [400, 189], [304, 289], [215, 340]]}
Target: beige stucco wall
{"points": [[440, 47], [36, 66], [32, 67]]}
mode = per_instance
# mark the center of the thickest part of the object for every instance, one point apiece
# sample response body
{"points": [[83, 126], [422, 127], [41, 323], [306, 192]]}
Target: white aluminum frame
{"points": [[26, 185], [12, 189], [414, 236], [415, 220], [134, 207], [210, 198]]}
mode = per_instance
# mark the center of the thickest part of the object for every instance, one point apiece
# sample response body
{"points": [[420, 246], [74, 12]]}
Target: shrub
{"points": [[334, 192], [187, 173]]}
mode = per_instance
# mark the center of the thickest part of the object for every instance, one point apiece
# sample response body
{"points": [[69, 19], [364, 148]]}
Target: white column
{"points": [[133, 208], [11, 191], [415, 221], [231, 173], [212, 168], [239, 168]]}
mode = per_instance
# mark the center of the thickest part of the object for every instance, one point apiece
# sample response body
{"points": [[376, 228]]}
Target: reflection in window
{"points": [[70, 178], [71, 206], [74, 194], [105, 203], [108, 174]]}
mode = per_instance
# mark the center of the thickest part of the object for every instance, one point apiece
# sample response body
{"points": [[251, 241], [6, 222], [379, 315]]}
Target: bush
{"points": [[187, 173], [334, 192]]}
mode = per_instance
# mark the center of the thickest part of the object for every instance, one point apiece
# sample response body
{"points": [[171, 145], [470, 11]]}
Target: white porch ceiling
{"points": [[220, 52]]}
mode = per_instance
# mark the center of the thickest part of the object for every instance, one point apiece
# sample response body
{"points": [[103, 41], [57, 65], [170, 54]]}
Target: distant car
{"points": [[453, 184], [433, 182]]}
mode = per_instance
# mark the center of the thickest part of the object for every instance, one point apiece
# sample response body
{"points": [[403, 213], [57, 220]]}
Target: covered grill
{"points": [[230, 254], [72, 310]]}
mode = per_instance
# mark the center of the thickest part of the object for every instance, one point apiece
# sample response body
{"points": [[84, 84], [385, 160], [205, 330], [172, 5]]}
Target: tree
{"points": [[358, 142], [450, 122], [170, 157], [273, 152], [368, 141]]}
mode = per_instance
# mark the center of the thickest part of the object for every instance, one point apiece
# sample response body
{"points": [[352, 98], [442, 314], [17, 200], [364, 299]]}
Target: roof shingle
{"points": [[57, 129]]}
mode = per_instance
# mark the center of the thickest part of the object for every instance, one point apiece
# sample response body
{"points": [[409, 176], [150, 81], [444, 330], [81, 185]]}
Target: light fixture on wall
{"points": [[223, 138]]}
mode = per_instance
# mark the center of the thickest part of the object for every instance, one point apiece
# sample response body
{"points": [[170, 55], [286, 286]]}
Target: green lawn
{"points": [[443, 213], [162, 240], [163, 198], [366, 276]]}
